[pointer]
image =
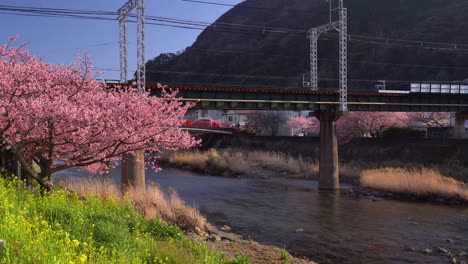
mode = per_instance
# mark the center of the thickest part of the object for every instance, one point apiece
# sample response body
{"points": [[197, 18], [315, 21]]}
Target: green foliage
{"points": [[284, 256], [63, 228], [240, 259], [163, 230]]}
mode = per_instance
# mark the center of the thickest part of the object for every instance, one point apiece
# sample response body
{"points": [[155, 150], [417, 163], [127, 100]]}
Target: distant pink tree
{"points": [[59, 116], [304, 125], [369, 124], [436, 119]]}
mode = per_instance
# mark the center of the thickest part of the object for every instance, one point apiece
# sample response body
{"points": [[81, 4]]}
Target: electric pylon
{"points": [[124, 11], [341, 25]]}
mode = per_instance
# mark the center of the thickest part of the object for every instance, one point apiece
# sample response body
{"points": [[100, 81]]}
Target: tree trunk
{"points": [[133, 171], [47, 184]]}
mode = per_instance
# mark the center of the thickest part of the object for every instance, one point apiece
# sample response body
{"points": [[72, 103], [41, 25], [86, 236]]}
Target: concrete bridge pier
{"points": [[459, 128], [328, 161]]}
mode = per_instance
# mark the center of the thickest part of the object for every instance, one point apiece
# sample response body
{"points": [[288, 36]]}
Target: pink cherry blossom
{"points": [[12, 38], [60, 116], [368, 124], [304, 125], [436, 119]]}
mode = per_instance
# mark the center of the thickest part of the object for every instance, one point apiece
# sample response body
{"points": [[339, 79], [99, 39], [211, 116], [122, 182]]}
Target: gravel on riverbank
{"points": [[223, 240], [257, 253]]}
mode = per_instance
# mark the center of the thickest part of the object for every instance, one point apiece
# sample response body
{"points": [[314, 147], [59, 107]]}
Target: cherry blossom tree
{"points": [[369, 124], [59, 116], [436, 119], [304, 125]]}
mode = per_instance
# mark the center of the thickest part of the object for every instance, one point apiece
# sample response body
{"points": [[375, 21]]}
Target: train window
{"points": [[464, 89], [454, 88], [445, 88], [425, 88], [435, 88], [415, 87]]}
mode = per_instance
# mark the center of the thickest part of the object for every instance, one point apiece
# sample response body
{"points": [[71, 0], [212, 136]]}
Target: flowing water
{"points": [[328, 227]]}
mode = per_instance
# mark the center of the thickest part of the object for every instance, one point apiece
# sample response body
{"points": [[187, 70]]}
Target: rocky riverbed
{"points": [[224, 240]]}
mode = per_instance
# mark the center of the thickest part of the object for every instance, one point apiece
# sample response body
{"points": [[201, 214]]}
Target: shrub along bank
{"points": [[63, 228]]}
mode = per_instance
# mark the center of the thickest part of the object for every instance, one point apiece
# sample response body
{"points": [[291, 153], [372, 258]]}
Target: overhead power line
{"points": [[226, 27], [330, 60], [242, 5], [200, 25], [246, 76]]}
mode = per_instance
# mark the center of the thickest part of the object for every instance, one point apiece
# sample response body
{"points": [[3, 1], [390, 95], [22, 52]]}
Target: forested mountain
{"points": [[238, 52]]}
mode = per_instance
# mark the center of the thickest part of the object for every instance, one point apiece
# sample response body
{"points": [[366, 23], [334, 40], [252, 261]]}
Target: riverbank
{"points": [[153, 203], [328, 227], [441, 184], [63, 228]]}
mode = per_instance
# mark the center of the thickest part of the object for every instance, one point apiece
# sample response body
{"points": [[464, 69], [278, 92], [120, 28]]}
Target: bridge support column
{"points": [[133, 170], [459, 127], [328, 163]]}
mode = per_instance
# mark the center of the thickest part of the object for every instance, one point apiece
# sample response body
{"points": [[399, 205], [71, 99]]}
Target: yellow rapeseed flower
{"points": [[75, 242], [83, 258]]}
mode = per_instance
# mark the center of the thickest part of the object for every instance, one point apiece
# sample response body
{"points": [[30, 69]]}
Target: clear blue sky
{"points": [[58, 40]]}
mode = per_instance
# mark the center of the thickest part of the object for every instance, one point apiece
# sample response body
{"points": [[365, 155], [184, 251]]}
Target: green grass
{"points": [[63, 228], [240, 259], [284, 256]]}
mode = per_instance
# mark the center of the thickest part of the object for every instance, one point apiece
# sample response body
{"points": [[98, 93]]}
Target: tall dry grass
{"points": [[237, 162], [244, 161], [419, 181], [282, 162], [151, 202]]}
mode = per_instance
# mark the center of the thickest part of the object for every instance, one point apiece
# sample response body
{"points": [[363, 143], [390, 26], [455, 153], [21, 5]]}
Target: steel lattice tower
{"points": [[343, 57], [341, 25], [124, 11], [123, 14], [141, 67]]}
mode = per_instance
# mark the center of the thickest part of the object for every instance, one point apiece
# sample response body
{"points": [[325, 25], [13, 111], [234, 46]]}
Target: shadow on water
{"points": [[329, 227]]}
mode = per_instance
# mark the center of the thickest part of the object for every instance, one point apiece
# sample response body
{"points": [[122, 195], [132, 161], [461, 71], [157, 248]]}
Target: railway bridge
{"points": [[325, 106]]}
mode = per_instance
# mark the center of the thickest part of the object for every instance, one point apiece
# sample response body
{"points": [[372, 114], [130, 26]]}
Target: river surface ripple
{"points": [[336, 228]]}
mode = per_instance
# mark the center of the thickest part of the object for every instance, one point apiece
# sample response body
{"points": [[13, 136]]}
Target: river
{"points": [[328, 227]]}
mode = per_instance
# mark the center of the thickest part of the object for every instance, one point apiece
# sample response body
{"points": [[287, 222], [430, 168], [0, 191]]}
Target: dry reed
{"points": [[420, 181], [151, 202], [244, 162], [237, 162]]}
